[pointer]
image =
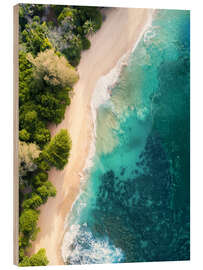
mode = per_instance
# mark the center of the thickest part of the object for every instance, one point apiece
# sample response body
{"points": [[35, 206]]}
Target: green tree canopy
{"points": [[24, 135], [35, 37], [39, 178], [33, 202], [46, 190], [28, 221], [56, 153], [25, 78], [38, 259], [66, 14], [42, 136], [53, 69]]}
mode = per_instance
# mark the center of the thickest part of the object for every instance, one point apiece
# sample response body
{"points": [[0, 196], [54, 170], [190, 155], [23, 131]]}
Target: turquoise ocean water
{"points": [[134, 204]]}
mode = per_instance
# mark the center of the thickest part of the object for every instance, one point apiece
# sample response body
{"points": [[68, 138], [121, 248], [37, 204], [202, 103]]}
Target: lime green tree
{"points": [[28, 221], [33, 202], [56, 153], [38, 259], [46, 190], [24, 135], [42, 136]]}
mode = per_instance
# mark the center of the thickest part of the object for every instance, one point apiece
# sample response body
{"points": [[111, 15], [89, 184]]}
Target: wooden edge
{"points": [[15, 134]]}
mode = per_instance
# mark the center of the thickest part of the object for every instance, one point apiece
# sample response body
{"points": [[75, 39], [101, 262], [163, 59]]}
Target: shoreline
{"points": [[101, 94], [121, 31]]}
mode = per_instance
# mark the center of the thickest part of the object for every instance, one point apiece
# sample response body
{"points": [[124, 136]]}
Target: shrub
{"points": [[86, 43]]}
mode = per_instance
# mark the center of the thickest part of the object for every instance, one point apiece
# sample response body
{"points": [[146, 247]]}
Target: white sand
{"points": [[118, 34]]}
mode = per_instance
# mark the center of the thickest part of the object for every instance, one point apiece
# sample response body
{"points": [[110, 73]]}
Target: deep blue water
{"points": [[135, 204]]}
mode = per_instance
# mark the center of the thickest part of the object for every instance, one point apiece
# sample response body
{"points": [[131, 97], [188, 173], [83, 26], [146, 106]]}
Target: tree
{"points": [[28, 152], [28, 11], [35, 37], [56, 153], [89, 27], [25, 78], [86, 43], [90, 14], [54, 70], [24, 135], [30, 118], [37, 259], [51, 109], [74, 48], [46, 190], [39, 179], [28, 221], [24, 241], [42, 164], [33, 202], [42, 136], [66, 14]]}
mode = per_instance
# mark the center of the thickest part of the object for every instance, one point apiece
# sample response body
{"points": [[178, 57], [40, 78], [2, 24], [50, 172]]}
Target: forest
{"points": [[51, 40]]}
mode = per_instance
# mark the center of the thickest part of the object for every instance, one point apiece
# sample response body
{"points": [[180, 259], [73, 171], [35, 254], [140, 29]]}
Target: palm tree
{"points": [[89, 27]]}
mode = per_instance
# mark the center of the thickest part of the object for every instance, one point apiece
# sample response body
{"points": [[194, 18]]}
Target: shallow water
{"points": [[134, 205]]}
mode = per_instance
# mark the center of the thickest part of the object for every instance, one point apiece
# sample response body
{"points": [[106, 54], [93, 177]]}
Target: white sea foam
{"points": [[81, 247], [101, 95]]}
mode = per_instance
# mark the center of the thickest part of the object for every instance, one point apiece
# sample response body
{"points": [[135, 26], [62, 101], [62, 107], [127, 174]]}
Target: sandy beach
{"points": [[118, 34]]}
